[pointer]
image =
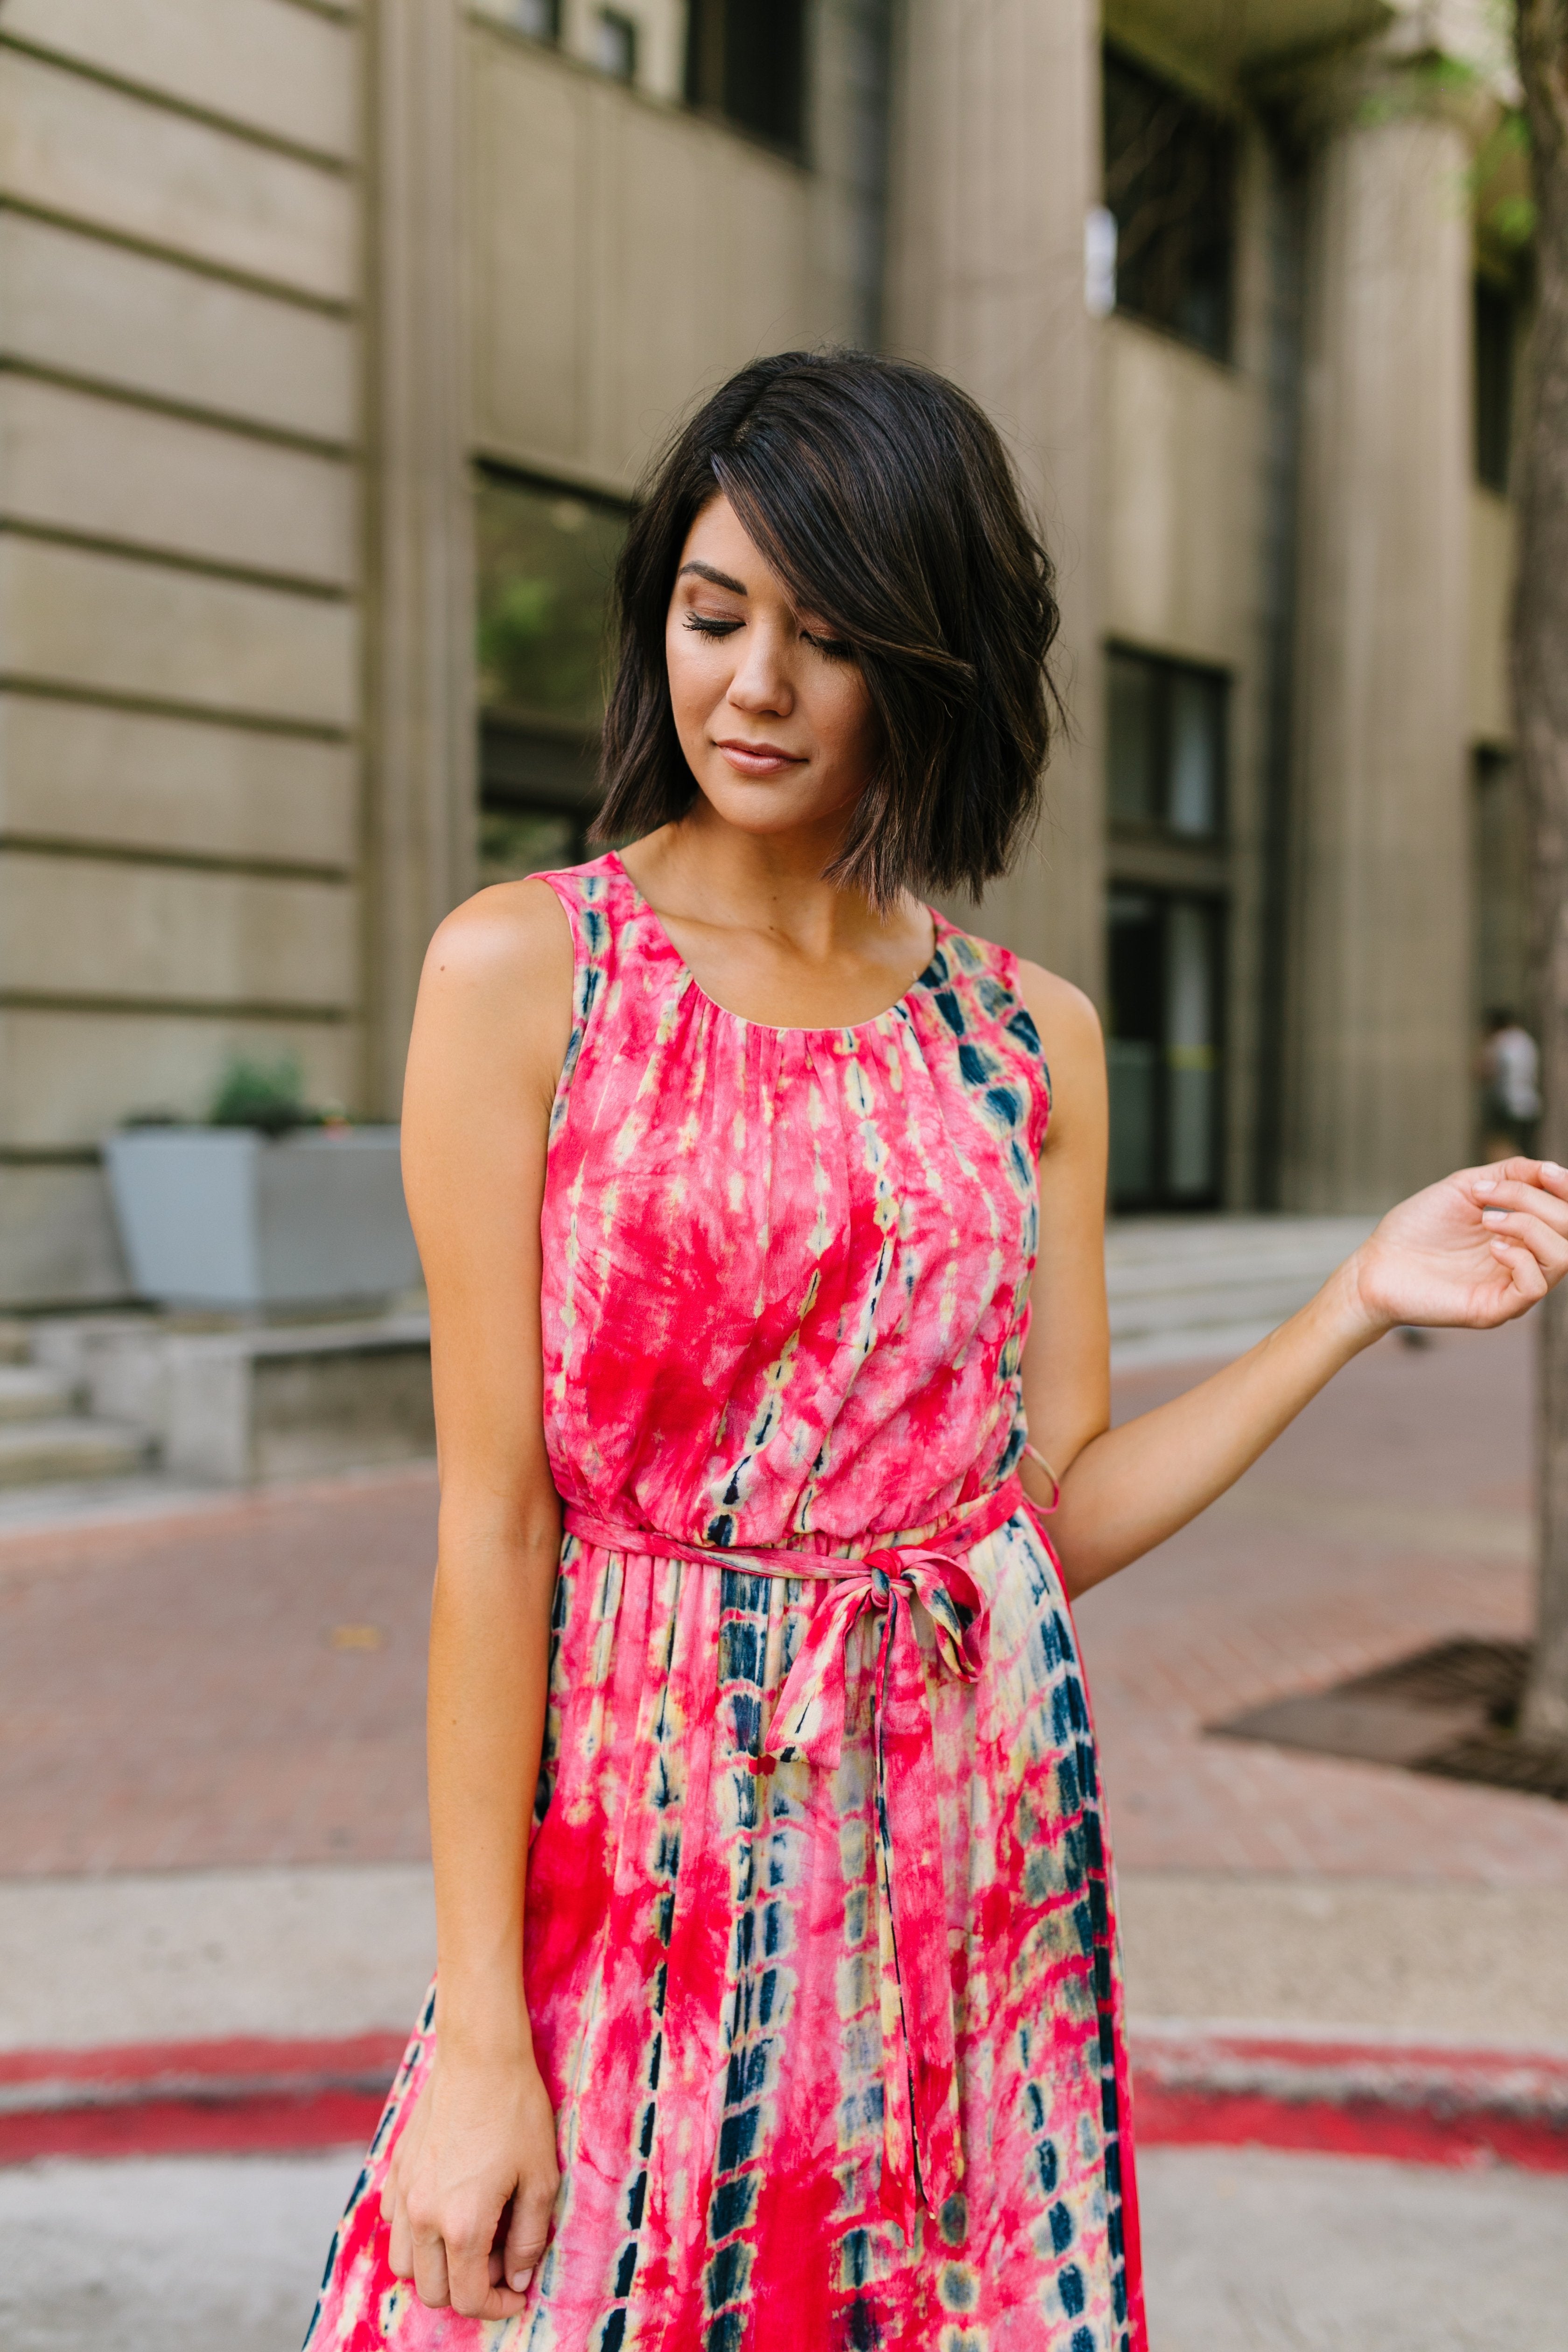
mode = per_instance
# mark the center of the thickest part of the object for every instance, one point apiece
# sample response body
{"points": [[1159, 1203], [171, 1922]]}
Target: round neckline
{"points": [[772, 1029]]}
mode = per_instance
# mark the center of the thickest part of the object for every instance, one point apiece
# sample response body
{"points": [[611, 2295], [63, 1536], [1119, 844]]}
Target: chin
{"points": [[768, 808]]}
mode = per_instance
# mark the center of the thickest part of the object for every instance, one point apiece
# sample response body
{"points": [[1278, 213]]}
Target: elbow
{"points": [[488, 1538]]}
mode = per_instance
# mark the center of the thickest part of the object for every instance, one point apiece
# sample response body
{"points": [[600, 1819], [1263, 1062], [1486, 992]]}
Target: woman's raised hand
{"points": [[472, 2186], [1474, 1251]]}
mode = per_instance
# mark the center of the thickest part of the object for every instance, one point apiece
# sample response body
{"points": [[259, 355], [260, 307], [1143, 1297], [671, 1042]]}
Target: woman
{"points": [[732, 1168]]}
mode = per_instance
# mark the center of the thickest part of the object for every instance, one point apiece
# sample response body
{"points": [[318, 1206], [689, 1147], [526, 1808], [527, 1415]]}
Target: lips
{"points": [[759, 758]]}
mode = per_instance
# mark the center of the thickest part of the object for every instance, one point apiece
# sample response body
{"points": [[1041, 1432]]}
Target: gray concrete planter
{"points": [[225, 1217]]}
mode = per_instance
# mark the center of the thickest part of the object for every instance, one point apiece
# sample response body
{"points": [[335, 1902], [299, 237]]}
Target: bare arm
{"points": [[489, 1036], [1475, 1250]]}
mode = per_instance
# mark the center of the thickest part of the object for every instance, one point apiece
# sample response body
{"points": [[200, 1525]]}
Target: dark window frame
{"points": [[1164, 671], [1162, 1200], [1165, 215], [758, 98], [533, 763], [549, 35], [1494, 327], [628, 30]]}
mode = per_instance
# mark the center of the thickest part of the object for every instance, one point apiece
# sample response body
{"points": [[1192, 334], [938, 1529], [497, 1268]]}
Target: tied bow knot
{"points": [[808, 1720], [923, 2143], [922, 2151]]}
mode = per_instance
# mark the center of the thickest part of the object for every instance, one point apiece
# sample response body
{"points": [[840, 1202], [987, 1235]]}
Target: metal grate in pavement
{"points": [[1448, 1710]]}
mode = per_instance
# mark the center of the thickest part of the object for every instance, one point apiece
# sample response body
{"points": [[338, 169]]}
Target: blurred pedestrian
{"points": [[1510, 1065], [779, 2002]]}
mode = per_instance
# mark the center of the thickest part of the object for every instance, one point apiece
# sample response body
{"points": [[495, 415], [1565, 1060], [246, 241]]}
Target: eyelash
{"points": [[832, 648]]}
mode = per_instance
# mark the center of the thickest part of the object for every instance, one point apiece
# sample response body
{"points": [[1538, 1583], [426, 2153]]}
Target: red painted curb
{"points": [[268, 2124], [242, 2097], [137, 2068], [1413, 2103], [1163, 2118], [255, 2096]]}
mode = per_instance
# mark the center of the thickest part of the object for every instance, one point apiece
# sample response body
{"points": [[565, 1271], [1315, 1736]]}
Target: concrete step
{"points": [[1210, 1286], [1165, 1240], [41, 1452], [27, 1393]]}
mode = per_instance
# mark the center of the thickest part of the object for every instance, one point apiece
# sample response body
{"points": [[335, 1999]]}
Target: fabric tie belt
{"points": [[923, 2160]]}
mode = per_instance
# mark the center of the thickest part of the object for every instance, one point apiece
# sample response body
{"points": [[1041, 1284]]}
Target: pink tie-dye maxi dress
{"points": [[820, 1955]]}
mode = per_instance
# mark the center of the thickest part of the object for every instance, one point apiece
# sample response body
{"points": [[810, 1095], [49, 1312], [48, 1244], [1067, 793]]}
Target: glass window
{"points": [[615, 45], [1197, 744], [1133, 1047], [1165, 754], [1494, 383], [1162, 1049], [745, 59], [1134, 740], [1170, 171], [546, 560], [1500, 854], [541, 19]]}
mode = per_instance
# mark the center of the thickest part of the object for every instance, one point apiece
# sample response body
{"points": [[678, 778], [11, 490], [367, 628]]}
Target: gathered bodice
{"points": [[785, 1271]]}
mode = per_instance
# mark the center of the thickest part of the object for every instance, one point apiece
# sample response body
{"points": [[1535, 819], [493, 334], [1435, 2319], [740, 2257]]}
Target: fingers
{"points": [[1524, 1204], [394, 2211], [1543, 1233], [1531, 1276], [395, 2188], [1540, 1184], [474, 2290], [468, 2193], [432, 2281], [400, 2250], [1523, 1183], [529, 2228]]}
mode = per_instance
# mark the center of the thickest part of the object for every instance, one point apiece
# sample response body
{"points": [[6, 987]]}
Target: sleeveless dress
{"points": [[820, 1955]]}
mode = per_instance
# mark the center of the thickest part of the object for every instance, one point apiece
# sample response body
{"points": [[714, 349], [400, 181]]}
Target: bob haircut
{"points": [[882, 497]]}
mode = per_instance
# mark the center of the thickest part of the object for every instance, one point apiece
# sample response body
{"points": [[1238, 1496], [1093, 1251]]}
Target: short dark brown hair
{"points": [[882, 497]]}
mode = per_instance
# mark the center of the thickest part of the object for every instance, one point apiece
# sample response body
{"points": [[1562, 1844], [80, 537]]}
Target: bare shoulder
{"points": [[1074, 1049], [498, 980], [511, 931], [1065, 1017]]}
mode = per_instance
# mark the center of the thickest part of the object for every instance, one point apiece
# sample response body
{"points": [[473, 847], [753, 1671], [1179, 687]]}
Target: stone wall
{"points": [[272, 275], [179, 578]]}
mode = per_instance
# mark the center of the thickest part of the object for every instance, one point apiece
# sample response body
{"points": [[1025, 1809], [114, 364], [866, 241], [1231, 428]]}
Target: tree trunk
{"points": [[1541, 707]]}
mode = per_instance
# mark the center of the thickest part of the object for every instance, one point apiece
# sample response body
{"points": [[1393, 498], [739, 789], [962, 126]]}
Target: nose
{"points": [[760, 683]]}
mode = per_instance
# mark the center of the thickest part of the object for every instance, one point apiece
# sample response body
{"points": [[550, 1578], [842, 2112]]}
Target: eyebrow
{"points": [[720, 579]]}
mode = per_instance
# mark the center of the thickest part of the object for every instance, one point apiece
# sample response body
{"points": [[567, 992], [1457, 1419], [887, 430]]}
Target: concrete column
{"points": [[1377, 1096], [420, 815], [994, 164]]}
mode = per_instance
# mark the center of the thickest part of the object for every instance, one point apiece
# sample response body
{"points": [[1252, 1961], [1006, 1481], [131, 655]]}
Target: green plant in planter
{"points": [[264, 1094]]}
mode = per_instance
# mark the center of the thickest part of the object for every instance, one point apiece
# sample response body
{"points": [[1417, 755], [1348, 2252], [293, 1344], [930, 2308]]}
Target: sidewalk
{"points": [[212, 1833]]}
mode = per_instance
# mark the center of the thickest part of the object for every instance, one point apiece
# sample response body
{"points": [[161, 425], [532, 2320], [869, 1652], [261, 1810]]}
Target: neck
{"points": [[702, 869]]}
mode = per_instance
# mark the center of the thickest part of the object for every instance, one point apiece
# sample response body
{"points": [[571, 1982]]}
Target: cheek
{"points": [[690, 687], [849, 721]]}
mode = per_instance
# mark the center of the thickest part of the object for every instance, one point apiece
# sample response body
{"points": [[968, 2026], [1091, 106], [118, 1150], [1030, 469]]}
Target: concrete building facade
{"points": [[334, 338]]}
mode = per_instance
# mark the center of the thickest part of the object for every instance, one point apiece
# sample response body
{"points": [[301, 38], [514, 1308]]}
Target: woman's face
{"points": [[772, 709]]}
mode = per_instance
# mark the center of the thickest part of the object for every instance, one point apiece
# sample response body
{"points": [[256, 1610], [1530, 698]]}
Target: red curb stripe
{"points": [[270, 2124], [1164, 2119], [1415, 2076], [255, 2095], [126, 2069]]}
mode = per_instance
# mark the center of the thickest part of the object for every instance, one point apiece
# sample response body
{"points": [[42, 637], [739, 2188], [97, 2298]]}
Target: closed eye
{"points": [[836, 649], [710, 628]]}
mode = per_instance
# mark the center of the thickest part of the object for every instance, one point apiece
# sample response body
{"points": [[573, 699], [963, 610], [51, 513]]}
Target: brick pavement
{"points": [[171, 1694], [1419, 1459]]}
